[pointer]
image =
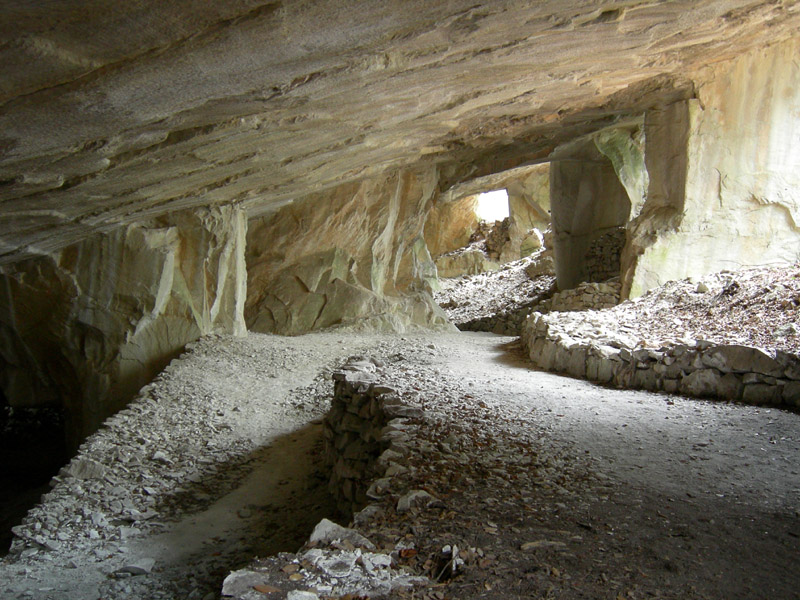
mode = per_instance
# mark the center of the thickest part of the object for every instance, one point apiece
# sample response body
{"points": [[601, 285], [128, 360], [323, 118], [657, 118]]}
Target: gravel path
{"points": [[191, 479], [610, 493]]}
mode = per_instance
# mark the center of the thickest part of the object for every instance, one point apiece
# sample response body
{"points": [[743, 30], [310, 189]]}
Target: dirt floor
{"points": [[552, 487]]}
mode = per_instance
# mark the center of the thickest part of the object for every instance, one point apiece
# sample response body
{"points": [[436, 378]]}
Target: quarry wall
{"points": [[724, 169], [86, 327], [351, 256]]}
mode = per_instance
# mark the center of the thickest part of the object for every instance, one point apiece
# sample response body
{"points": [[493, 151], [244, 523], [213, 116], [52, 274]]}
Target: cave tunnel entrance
{"points": [[566, 233], [492, 206]]}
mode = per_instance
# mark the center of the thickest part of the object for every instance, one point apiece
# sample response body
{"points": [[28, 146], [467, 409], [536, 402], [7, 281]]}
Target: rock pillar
{"points": [[724, 171]]}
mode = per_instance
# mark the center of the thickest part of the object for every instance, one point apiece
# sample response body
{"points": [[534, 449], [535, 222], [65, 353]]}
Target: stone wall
{"points": [[369, 435], [86, 327], [587, 296], [353, 256], [363, 433], [702, 369], [603, 256], [724, 168]]}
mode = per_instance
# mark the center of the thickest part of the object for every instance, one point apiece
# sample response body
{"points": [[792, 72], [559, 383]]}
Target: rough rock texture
{"points": [[602, 259], [87, 326], [450, 225], [344, 257], [467, 261], [725, 169], [586, 296], [113, 113], [529, 198]]}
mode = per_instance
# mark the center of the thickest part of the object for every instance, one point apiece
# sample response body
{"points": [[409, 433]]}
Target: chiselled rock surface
{"points": [[88, 326], [352, 257], [115, 113], [723, 166]]}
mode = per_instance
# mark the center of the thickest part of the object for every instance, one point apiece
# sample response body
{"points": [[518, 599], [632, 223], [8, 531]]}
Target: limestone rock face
{"points": [[725, 174], [353, 256], [112, 113], [469, 262], [450, 225], [529, 198], [87, 326]]}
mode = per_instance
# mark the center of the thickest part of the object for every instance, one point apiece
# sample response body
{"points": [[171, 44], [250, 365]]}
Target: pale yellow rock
{"points": [[350, 257], [450, 224], [469, 262], [733, 200]]}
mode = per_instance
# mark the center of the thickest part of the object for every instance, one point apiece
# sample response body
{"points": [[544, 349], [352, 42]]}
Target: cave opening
{"points": [[492, 206]]}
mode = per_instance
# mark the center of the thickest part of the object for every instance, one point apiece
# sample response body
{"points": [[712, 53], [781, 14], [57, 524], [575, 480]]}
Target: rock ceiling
{"points": [[113, 112]]}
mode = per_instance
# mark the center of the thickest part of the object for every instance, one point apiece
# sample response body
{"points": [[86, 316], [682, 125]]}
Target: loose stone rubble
{"points": [[499, 301], [165, 467]]}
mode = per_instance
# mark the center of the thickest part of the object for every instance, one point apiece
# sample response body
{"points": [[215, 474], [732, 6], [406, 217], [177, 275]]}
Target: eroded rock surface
{"points": [[87, 326]]}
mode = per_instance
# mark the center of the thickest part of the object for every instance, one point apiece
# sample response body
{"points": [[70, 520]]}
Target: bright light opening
{"points": [[492, 206]]}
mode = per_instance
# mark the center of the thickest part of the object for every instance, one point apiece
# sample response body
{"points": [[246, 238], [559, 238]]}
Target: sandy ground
{"points": [[635, 494]]}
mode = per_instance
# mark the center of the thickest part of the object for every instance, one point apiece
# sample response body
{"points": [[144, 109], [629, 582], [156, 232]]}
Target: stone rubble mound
{"points": [[497, 301]]}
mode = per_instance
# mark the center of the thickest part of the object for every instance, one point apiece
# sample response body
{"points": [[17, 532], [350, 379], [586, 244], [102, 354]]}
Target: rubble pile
{"points": [[498, 301]]}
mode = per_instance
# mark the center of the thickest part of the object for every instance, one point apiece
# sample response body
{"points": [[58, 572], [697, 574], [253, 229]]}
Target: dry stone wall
{"points": [[363, 433], [564, 343], [602, 259], [587, 296], [369, 435]]}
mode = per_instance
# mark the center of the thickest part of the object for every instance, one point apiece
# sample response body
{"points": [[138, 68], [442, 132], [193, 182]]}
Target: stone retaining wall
{"points": [[504, 323], [364, 432], [587, 296], [699, 368], [603, 256], [369, 436]]}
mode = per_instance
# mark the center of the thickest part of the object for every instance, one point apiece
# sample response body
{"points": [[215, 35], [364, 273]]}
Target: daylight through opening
{"points": [[492, 206]]}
